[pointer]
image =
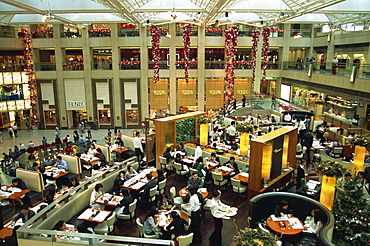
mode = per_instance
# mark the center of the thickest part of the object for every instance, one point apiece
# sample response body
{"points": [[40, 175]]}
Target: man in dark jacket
{"points": [[25, 214], [307, 141], [145, 192]]}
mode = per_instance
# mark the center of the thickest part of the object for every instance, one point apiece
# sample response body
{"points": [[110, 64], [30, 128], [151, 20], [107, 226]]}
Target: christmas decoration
{"points": [[30, 71], [214, 30], [255, 39], [253, 237], [156, 36], [361, 141], [130, 63], [186, 32], [286, 107], [231, 35], [351, 213], [330, 168], [265, 50]]}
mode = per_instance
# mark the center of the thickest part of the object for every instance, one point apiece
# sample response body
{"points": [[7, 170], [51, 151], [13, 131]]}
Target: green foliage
{"points": [[361, 141], [244, 127], [330, 168], [352, 215], [185, 130], [253, 237], [204, 119]]}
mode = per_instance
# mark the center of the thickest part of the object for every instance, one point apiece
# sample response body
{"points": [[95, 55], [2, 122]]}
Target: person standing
{"points": [[44, 142], [231, 131], [334, 65], [15, 130], [273, 101], [307, 141], [216, 205], [28, 124], [10, 131], [244, 100], [198, 151], [300, 174], [194, 208], [1, 137], [96, 124], [138, 146]]}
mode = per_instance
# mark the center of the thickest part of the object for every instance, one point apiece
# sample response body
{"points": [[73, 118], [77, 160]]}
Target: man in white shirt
{"points": [[301, 128], [287, 117], [231, 131], [138, 146], [198, 152]]}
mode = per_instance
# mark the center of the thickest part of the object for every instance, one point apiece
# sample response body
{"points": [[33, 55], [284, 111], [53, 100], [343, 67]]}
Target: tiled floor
{"points": [[36, 136]]}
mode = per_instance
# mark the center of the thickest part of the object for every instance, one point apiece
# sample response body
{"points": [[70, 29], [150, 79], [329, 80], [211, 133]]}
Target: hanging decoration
{"points": [[231, 35], [255, 39], [265, 49], [186, 32], [30, 71], [156, 36]]}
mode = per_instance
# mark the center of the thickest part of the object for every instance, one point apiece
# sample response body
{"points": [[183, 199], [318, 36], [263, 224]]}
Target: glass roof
{"points": [[201, 12]]}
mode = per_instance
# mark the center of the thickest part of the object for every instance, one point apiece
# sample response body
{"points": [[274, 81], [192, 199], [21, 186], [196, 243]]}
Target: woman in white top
{"points": [[194, 208], [216, 205], [130, 172], [97, 192], [91, 151], [313, 223]]}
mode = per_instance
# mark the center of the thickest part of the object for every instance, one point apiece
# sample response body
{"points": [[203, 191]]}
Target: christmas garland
{"points": [[30, 71], [42, 32], [330, 168], [254, 237], [99, 31], [361, 141], [130, 63], [255, 39], [265, 49], [244, 127], [156, 36], [186, 32], [231, 35], [286, 107]]}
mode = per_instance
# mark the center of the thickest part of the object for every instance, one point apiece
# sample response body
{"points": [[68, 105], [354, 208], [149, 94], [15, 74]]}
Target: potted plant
{"points": [[253, 237], [361, 143], [245, 129]]}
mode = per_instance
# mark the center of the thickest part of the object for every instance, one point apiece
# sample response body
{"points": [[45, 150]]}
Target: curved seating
{"points": [[262, 205]]}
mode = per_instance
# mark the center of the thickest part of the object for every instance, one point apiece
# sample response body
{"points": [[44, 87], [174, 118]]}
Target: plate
{"points": [[224, 208], [231, 213], [219, 214], [234, 209]]}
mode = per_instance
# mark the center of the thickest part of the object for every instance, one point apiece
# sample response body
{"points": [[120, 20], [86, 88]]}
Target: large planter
{"points": [[327, 191], [244, 143], [359, 159], [203, 134]]}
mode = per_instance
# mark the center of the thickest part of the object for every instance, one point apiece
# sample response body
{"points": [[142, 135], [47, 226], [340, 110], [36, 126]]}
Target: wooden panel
{"points": [[215, 93], [337, 122], [242, 87], [187, 92], [159, 94]]}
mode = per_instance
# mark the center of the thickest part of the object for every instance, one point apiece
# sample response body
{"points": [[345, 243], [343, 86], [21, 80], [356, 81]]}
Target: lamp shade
{"points": [[327, 191], [203, 134], [359, 159], [244, 143], [267, 160]]}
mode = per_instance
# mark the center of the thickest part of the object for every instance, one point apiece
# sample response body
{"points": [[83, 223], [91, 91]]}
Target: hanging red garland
{"points": [[186, 32], [255, 39], [156, 36], [231, 36], [265, 49], [30, 71]]}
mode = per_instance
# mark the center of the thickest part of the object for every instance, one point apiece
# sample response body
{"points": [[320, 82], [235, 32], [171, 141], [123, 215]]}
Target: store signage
{"points": [[277, 157], [187, 92], [75, 104], [242, 92], [159, 93], [215, 92]]}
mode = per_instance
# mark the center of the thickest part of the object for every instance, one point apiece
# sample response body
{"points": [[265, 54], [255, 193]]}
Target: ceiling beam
{"points": [[219, 7], [121, 9]]}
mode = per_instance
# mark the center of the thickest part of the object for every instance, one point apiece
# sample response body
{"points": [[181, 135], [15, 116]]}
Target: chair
{"points": [[153, 193], [337, 151], [263, 228], [131, 213], [218, 179], [179, 171], [106, 226], [163, 162], [161, 187], [304, 149], [186, 227], [176, 200], [141, 230], [237, 186], [185, 240], [192, 170]]}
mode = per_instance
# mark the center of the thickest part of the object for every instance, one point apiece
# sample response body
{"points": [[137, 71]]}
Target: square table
{"points": [[99, 217], [109, 200], [243, 177], [12, 193]]}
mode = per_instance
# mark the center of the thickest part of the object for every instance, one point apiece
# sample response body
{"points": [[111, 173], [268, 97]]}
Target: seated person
{"points": [[313, 223], [35, 166], [99, 154], [61, 163], [164, 203], [232, 164], [12, 239], [19, 183], [49, 161], [143, 165], [123, 206], [25, 214], [119, 142], [118, 181], [145, 192], [130, 172], [181, 148], [73, 183], [167, 155], [282, 209], [160, 175], [178, 158], [342, 181], [214, 158], [177, 225], [234, 145], [92, 150], [199, 166], [336, 143], [95, 194], [150, 227], [194, 180]]}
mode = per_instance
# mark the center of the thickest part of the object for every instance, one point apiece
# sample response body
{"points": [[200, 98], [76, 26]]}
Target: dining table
{"points": [[285, 225], [109, 200], [139, 181], [54, 172], [164, 218], [184, 191], [12, 193], [242, 177], [94, 215], [224, 170]]}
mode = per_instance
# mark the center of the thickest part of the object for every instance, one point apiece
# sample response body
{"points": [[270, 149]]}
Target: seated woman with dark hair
{"points": [[282, 209], [164, 203], [313, 223], [100, 154], [160, 175], [74, 182], [118, 181]]}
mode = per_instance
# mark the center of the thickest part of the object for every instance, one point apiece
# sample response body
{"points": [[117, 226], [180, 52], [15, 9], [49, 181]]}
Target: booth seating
{"points": [[262, 206], [34, 182], [129, 143], [7, 213], [74, 167]]}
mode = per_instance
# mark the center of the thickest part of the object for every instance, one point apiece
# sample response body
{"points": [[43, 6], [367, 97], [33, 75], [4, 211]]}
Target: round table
{"points": [[183, 215], [288, 230], [184, 191]]}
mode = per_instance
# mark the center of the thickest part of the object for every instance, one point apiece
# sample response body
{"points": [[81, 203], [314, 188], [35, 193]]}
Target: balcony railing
{"points": [[10, 67], [162, 65], [67, 34], [214, 64], [303, 33], [192, 65], [95, 33], [329, 68], [42, 34], [45, 66], [70, 66], [194, 32], [9, 33], [129, 65], [101, 65], [128, 32]]}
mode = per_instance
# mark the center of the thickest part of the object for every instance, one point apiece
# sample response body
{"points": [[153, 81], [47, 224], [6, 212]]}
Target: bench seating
{"points": [[34, 182]]}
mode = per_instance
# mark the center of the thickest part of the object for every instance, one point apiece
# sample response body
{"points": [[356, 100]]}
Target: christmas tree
{"points": [[352, 215]]}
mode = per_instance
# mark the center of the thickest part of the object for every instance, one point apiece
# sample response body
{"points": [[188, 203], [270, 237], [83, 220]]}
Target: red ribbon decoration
{"points": [[30, 71], [231, 36], [186, 32], [265, 50], [255, 39], [156, 37]]}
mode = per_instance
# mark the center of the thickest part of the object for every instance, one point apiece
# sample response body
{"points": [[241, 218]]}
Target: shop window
{"points": [[104, 117], [50, 117], [128, 30]]}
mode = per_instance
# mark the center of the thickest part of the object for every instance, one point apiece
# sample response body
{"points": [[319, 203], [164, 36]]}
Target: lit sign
{"points": [[187, 92], [75, 104], [242, 92], [159, 93], [215, 92]]}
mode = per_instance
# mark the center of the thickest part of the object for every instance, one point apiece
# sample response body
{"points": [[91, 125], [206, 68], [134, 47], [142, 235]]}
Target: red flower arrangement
{"points": [[186, 32], [156, 37], [42, 32], [30, 71], [99, 30], [255, 39], [265, 50], [231, 35], [286, 107]]}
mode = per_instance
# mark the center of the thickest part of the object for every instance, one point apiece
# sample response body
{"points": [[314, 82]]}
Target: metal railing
{"points": [[11, 67], [45, 66], [100, 65], [30, 233], [162, 65], [129, 65], [69, 66], [9, 33], [128, 32], [67, 34], [304, 33]]}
